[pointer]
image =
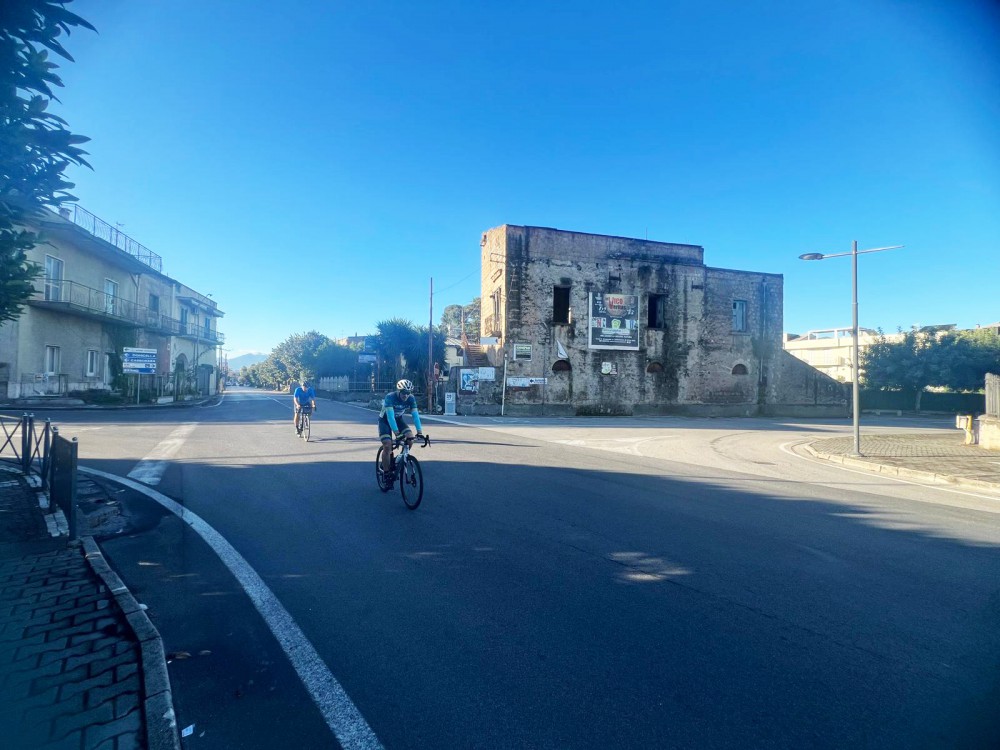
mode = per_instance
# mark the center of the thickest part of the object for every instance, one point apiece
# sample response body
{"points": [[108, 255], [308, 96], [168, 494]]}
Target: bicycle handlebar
{"points": [[402, 439]]}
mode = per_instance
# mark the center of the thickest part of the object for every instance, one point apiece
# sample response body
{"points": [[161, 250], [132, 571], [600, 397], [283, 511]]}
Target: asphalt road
{"points": [[565, 583]]}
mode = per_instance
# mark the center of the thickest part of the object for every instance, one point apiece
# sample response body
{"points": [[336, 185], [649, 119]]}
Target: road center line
{"points": [[339, 712], [150, 469]]}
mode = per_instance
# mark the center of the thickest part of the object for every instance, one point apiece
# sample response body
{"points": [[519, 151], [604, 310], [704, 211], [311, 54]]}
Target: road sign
{"points": [[139, 361]]}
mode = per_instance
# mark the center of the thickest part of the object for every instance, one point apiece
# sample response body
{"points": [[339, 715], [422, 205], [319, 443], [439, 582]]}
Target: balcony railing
{"points": [[95, 303], [100, 228]]}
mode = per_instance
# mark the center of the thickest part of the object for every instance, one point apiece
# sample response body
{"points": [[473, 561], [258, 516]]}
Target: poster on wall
{"points": [[522, 352], [614, 321], [487, 374], [468, 381]]}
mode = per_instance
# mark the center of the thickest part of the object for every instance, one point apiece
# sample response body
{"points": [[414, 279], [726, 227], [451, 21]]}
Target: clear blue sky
{"points": [[312, 163]]}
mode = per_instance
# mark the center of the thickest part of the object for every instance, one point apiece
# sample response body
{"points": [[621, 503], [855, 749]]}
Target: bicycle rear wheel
{"points": [[384, 483], [411, 483]]}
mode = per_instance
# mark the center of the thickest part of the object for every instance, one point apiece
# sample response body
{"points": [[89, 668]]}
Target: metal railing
{"points": [[39, 451], [83, 298], [993, 395], [101, 229]]}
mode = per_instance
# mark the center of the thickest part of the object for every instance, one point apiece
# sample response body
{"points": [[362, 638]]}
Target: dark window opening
{"points": [[740, 370], [740, 316], [560, 304], [656, 314], [654, 367], [561, 365]]}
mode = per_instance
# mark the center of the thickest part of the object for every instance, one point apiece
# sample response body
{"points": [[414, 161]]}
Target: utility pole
{"points": [[430, 354]]}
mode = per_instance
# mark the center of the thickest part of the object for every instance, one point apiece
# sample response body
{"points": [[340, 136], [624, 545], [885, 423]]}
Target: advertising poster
{"points": [[468, 381], [614, 321]]}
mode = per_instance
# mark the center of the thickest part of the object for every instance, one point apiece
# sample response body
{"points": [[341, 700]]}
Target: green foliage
{"points": [[35, 145], [957, 360], [402, 350], [452, 324]]}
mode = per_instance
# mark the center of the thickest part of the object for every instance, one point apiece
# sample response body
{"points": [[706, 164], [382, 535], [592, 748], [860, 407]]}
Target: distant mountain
{"points": [[245, 360]]}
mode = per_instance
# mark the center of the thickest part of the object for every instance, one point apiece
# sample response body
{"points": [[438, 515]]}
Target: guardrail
{"points": [[39, 451]]}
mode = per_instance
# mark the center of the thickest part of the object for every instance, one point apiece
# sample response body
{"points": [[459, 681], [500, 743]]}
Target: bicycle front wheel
{"points": [[411, 483], [306, 427], [384, 483]]}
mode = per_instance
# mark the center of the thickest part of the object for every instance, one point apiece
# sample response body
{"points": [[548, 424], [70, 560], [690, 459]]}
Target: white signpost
{"points": [[138, 362]]}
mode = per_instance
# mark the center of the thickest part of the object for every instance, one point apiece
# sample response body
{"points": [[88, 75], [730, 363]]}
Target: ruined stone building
{"points": [[579, 323]]}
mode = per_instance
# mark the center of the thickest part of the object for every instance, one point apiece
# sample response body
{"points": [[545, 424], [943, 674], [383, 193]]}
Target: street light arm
{"points": [[824, 256]]}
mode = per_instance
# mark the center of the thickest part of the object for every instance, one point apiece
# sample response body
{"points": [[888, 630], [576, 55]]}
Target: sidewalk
{"points": [[81, 666], [938, 457]]}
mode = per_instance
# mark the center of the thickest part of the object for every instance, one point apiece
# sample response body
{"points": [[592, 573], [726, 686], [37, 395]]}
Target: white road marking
{"points": [[784, 447], [150, 469], [339, 712]]}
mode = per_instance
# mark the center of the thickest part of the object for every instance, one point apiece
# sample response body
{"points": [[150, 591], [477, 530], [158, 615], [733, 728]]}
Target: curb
{"points": [[30, 409], [900, 471], [158, 704]]}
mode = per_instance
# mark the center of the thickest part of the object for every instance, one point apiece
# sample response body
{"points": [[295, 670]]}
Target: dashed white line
{"points": [[150, 469]]}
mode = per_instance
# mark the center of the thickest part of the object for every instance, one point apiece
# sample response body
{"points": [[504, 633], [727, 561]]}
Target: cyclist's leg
{"points": [[385, 435]]}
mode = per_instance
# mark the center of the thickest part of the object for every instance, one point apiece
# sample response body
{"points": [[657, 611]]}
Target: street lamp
{"points": [[854, 327]]}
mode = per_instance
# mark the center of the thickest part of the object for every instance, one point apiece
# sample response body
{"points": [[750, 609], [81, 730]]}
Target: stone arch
{"points": [[654, 367], [561, 365], [740, 369]]}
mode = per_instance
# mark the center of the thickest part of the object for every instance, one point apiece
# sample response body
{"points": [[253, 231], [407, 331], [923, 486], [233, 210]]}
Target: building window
{"points": [[92, 363], [560, 304], [740, 316], [154, 303], [53, 279], [208, 328], [110, 296], [184, 320], [496, 305], [52, 360], [656, 314], [740, 370]]}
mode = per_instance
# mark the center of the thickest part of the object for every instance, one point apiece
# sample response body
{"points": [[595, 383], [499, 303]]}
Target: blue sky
{"points": [[312, 164]]}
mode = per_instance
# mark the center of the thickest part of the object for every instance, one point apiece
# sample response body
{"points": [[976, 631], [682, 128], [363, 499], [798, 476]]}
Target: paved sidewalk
{"points": [[80, 664], [940, 457]]}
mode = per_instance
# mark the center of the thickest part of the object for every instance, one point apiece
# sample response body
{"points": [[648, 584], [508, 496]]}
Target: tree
{"points": [[35, 145], [957, 360], [452, 322]]}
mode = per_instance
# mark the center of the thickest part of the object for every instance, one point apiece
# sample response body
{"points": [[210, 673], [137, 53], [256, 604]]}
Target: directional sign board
{"points": [[139, 361]]}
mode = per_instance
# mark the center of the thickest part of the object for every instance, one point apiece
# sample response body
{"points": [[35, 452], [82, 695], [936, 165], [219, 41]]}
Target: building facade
{"points": [[102, 292], [593, 324]]}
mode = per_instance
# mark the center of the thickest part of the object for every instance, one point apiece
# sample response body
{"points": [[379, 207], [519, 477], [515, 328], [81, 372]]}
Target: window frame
{"points": [[741, 316], [92, 363], [54, 285], [657, 321], [53, 359]]}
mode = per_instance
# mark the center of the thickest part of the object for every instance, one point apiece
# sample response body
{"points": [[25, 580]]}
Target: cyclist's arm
{"points": [[390, 417], [415, 414]]}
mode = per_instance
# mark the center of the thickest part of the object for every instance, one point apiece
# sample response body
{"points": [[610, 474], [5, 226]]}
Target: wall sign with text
{"points": [[614, 321]]}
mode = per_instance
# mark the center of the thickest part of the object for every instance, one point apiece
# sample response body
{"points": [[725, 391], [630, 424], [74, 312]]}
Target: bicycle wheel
{"points": [[411, 483], [384, 483], [306, 427]]}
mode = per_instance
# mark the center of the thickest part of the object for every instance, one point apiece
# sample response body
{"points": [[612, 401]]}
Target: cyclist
{"points": [[390, 419], [304, 396]]}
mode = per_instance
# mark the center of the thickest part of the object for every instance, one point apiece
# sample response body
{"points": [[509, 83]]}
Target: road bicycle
{"points": [[405, 468], [303, 425]]}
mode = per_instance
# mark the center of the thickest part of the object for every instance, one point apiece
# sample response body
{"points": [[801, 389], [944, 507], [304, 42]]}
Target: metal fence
{"points": [[993, 395], [40, 452]]}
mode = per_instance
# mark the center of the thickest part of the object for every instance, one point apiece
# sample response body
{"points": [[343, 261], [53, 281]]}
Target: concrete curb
{"points": [[900, 471], [30, 409], [158, 705]]}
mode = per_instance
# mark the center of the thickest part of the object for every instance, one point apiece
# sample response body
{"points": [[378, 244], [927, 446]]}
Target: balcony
{"points": [[77, 299], [112, 235], [87, 302]]}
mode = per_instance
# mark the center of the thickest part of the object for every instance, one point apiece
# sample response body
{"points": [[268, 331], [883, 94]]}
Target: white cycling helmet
{"points": [[405, 386]]}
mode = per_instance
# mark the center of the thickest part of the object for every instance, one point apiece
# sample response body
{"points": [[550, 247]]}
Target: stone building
{"points": [[580, 323]]}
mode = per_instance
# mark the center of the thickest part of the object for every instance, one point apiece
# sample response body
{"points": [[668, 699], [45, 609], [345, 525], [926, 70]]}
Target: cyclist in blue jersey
{"points": [[390, 419], [304, 396]]}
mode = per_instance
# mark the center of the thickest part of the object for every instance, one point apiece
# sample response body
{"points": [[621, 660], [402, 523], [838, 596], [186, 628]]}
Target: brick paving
{"points": [[70, 663], [941, 456]]}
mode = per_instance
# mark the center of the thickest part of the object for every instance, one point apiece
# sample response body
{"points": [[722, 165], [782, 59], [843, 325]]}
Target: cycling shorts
{"points": [[385, 431]]}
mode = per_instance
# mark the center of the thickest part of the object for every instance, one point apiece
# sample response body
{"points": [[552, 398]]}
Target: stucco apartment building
{"points": [[101, 292], [578, 323]]}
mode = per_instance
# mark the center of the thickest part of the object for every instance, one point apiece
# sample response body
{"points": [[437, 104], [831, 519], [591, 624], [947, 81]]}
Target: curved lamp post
{"points": [[856, 410]]}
